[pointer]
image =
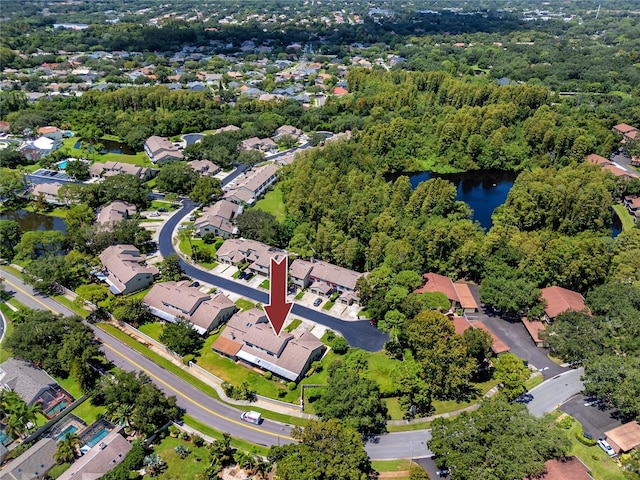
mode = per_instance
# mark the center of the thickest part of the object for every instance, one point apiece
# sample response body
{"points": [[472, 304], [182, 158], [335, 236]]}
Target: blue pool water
{"points": [[62, 165], [57, 408], [4, 439], [70, 429], [95, 439]]}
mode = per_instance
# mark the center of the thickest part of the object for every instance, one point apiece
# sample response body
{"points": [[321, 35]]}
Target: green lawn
{"points": [[328, 305], [244, 304], [185, 247], [153, 329], [239, 444], [71, 306], [58, 470], [391, 466], [177, 467], [273, 203], [155, 204], [140, 158], [5, 353], [89, 412], [70, 385], [293, 325], [299, 295], [602, 467], [533, 382], [627, 220], [265, 284]]}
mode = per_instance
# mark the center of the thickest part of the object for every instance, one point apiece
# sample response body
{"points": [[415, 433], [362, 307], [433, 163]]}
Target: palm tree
{"points": [[122, 415], [67, 448]]}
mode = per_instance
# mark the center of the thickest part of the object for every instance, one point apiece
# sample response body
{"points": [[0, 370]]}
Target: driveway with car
{"points": [[594, 418]]}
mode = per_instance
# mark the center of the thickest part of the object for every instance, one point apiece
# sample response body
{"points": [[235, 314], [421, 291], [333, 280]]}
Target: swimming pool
{"points": [[63, 164], [4, 439], [58, 407], [71, 429], [95, 438]]}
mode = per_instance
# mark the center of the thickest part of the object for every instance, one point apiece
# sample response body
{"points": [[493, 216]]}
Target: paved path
{"points": [[552, 393]]}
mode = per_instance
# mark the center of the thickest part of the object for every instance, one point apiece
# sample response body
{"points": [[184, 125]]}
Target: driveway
{"points": [[595, 419], [552, 393], [515, 335]]}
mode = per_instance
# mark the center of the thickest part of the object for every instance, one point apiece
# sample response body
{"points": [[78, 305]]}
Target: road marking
{"points": [[237, 422], [198, 404], [31, 296]]}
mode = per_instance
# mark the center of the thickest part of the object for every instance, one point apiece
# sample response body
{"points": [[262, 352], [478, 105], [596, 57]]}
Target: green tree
{"points": [[12, 184], [615, 379], [512, 375], [261, 226], [10, 235], [77, 169], [499, 440], [327, 450], [176, 177], [67, 448], [414, 392], [509, 294], [170, 268], [206, 190], [221, 450], [576, 336], [180, 337], [478, 344], [131, 310], [353, 399]]}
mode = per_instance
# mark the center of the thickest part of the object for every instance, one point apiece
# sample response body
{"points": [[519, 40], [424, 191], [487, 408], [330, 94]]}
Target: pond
{"points": [[29, 221], [109, 146], [483, 191]]}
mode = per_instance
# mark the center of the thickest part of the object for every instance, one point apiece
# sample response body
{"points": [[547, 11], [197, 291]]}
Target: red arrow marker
{"points": [[278, 307]]}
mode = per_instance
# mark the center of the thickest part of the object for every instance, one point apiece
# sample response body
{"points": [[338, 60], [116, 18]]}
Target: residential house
{"points": [[228, 128], [625, 437], [287, 130], [161, 150], [52, 133], [205, 168], [237, 251], [265, 145], [611, 167], [34, 385], [39, 148], [219, 219], [172, 300], [109, 169], [632, 202], [249, 337], [567, 468], [48, 191], [459, 293], [101, 458], [628, 132], [460, 324], [116, 212], [125, 270], [253, 185], [323, 278], [559, 300], [340, 91], [32, 464]]}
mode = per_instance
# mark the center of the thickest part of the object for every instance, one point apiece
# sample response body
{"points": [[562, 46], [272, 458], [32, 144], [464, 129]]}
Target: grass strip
{"points": [[400, 465], [626, 220], [235, 442], [71, 306]]}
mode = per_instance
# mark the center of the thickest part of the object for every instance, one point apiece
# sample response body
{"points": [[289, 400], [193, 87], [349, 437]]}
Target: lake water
{"points": [[109, 146], [34, 221], [483, 191]]}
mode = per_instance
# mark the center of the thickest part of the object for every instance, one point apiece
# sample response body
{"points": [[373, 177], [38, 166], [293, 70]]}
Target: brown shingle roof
{"points": [[300, 268], [534, 327], [466, 297], [123, 261], [566, 469], [175, 296], [559, 300], [116, 211], [335, 275], [226, 346]]}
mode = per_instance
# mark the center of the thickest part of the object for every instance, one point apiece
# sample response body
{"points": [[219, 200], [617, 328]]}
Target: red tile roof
{"points": [[534, 328], [439, 283], [566, 469], [623, 128], [466, 297], [498, 345], [340, 91], [596, 159], [460, 324]]}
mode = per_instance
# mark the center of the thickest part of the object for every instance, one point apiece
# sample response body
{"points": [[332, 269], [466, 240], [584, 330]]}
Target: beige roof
{"points": [[559, 300], [335, 275], [117, 167], [222, 208], [439, 283], [50, 129], [250, 250], [123, 262], [103, 457], [625, 437], [262, 336], [300, 268], [46, 189], [255, 142], [466, 297], [33, 463], [204, 167], [161, 147], [288, 130], [176, 298], [116, 211], [209, 310]]}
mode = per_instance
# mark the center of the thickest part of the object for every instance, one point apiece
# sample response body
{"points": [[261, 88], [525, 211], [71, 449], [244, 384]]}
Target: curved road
{"points": [[359, 334], [205, 409]]}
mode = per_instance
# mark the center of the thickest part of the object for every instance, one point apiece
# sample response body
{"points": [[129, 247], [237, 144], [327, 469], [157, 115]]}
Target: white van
{"points": [[251, 417]]}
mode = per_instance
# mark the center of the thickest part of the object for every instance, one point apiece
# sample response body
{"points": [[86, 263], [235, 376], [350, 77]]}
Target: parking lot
{"points": [[595, 419]]}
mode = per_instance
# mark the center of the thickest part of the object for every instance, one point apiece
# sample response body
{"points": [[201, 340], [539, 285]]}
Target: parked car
{"points": [[163, 210], [604, 445], [317, 302], [154, 214], [195, 284], [443, 472], [524, 398]]}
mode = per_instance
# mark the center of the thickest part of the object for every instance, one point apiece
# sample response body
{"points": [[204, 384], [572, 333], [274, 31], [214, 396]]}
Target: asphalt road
{"points": [[552, 393], [595, 419], [359, 334], [206, 409]]}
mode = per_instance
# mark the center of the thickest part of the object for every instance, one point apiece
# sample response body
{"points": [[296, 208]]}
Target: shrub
{"points": [[339, 345], [282, 393], [227, 388], [188, 358], [317, 366], [292, 386], [197, 440], [589, 442], [182, 451], [208, 238], [566, 423], [268, 375], [173, 431], [183, 435]]}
